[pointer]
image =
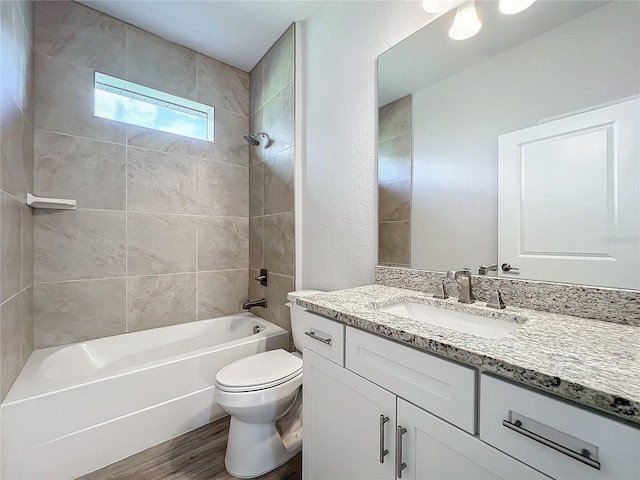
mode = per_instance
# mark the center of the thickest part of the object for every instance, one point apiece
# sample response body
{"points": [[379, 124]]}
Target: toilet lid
{"points": [[259, 371]]}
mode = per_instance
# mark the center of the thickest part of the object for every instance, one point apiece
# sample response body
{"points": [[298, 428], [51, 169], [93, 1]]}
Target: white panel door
{"points": [[434, 449], [342, 424], [568, 198]]}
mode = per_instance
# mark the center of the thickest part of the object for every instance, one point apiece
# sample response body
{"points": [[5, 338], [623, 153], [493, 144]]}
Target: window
{"points": [[128, 102]]}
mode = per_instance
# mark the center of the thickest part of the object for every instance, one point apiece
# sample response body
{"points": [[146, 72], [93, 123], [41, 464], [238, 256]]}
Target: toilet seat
{"points": [[259, 372]]}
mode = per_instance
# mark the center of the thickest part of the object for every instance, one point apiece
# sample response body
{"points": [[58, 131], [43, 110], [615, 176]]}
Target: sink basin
{"points": [[461, 322]]}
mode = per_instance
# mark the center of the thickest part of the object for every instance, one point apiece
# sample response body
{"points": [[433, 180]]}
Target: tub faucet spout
{"points": [[255, 303]]}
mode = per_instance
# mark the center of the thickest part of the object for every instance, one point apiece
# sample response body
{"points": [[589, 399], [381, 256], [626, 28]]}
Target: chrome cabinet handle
{"points": [[582, 456], [315, 336], [400, 465], [383, 451], [508, 268]]}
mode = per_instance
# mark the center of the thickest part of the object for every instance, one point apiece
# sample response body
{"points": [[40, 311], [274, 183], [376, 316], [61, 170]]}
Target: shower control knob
{"points": [[263, 278]]}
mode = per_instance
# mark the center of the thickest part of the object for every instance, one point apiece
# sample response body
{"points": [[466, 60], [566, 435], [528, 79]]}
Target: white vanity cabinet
{"points": [[369, 425], [559, 439], [433, 449], [343, 432]]}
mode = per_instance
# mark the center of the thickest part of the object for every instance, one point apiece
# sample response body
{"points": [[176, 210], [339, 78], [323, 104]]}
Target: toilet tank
{"points": [[299, 316]]}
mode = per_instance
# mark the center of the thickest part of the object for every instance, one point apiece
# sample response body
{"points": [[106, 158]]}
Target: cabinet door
{"points": [[342, 425], [435, 449]]}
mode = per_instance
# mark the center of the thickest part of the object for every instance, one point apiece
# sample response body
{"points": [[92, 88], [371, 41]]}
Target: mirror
{"points": [[516, 147]]}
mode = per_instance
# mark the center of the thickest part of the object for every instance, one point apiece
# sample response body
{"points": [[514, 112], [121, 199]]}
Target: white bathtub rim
{"points": [[20, 392]]}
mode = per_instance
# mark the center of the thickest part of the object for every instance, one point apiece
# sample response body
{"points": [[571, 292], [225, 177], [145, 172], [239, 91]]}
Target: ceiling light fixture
{"points": [[511, 7], [466, 23]]}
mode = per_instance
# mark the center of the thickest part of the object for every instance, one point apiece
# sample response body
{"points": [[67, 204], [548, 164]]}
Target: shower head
{"points": [[253, 139]]}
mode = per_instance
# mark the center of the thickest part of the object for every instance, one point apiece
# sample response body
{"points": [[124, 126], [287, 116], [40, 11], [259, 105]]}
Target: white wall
{"points": [[339, 200], [591, 60]]}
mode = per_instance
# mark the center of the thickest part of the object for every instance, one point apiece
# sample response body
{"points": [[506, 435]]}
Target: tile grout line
{"points": [[197, 279], [126, 226], [162, 152], [395, 137], [197, 233], [138, 276], [18, 293]]}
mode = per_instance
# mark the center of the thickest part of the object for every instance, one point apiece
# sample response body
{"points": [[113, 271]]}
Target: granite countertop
{"points": [[591, 362]]}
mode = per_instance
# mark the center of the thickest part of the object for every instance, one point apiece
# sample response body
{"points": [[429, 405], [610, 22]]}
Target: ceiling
{"points": [[237, 32]]}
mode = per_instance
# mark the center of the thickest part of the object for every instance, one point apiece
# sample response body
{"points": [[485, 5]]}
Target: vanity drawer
{"points": [[324, 336], [444, 388], [614, 446]]}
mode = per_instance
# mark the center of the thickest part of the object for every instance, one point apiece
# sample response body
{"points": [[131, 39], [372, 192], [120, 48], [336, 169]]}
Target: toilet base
{"points": [[254, 449]]}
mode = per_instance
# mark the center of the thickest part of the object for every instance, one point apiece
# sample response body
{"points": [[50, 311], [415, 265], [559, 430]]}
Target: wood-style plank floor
{"points": [[196, 455]]}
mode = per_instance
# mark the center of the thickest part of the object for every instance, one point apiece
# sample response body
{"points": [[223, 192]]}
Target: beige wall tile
{"points": [[223, 243], [256, 292], [221, 293], [69, 312], [277, 311], [27, 245], [222, 85], [71, 32], [394, 200], [160, 300], [229, 136], [10, 246], [256, 154], [78, 244], [394, 119], [27, 323], [223, 190], [13, 178], [279, 63], [16, 166], [279, 243], [276, 294], [191, 147], [394, 243], [64, 102], [394, 158], [256, 240], [279, 182], [159, 243], [157, 63], [256, 87], [27, 154], [278, 121], [160, 182], [89, 171], [256, 190], [11, 335]]}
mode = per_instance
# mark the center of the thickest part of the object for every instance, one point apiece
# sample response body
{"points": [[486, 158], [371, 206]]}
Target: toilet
{"points": [[263, 395]]}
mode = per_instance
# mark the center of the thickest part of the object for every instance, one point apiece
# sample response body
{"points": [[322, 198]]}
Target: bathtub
{"points": [[77, 408]]}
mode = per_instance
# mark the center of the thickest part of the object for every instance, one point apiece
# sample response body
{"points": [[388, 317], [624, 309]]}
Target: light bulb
{"points": [[438, 6], [466, 23], [511, 7]]}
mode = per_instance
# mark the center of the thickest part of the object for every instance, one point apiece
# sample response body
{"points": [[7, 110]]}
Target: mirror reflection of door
{"points": [[569, 204]]}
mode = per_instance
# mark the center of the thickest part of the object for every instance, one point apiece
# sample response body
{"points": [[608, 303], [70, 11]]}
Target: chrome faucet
{"points": [[484, 269], [255, 303], [465, 295]]}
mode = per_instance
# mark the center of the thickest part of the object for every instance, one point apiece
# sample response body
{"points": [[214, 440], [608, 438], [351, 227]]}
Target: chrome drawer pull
{"points": [[315, 336], [383, 451], [582, 456], [400, 465]]}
